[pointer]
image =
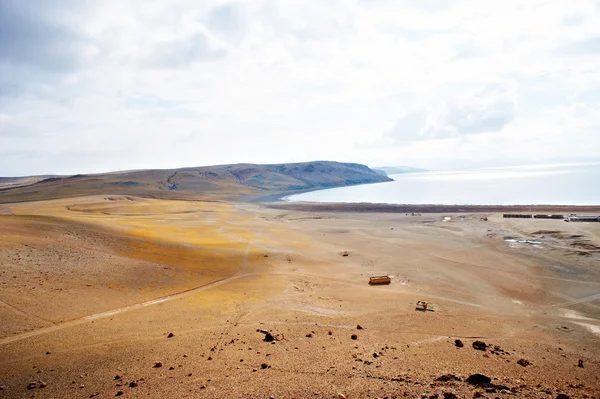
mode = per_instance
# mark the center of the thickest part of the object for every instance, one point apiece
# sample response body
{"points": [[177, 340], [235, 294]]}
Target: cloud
{"points": [[184, 51], [489, 109], [36, 33]]}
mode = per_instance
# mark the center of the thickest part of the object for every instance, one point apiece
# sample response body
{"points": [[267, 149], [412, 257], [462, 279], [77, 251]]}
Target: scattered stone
{"points": [[48, 353], [354, 337], [458, 343], [2, 387], [209, 358], [133, 384], [171, 368], [479, 345], [184, 355], [359, 327], [477, 394], [81, 386], [580, 363], [562, 396], [450, 395], [523, 362], [157, 365], [43, 384], [448, 377], [32, 385], [202, 387], [117, 377], [119, 393], [329, 333], [268, 336], [171, 335], [309, 335], [478, 379], [341, 396], [93, 395], [265, 366]]}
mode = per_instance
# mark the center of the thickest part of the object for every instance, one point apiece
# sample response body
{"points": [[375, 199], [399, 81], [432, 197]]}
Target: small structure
{"points": [[548, 216], [516, 216], [379, 280], [422, 306], [583, 218]]}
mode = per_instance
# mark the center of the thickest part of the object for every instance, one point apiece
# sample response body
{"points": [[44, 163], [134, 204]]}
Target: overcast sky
{"points": [[92, 86]]}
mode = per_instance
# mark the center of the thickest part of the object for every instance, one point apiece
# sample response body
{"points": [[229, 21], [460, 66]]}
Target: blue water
{"points": [[565, 184]]}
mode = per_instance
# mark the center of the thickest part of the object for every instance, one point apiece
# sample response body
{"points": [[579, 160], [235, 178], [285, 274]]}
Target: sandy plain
{"points": [[91, 287]]}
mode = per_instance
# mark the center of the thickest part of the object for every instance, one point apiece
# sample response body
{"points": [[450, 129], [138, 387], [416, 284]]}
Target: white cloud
{"points": [[181, 82]]}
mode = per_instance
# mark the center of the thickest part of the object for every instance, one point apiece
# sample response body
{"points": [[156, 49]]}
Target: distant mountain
{"points": [[393, 170], [232, 182]]}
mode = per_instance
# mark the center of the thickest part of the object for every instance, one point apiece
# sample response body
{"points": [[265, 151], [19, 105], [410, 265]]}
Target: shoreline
{"points": [[424, 208]]}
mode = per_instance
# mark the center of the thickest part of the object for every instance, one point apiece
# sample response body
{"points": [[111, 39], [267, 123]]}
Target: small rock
{"points": [[458, 343], [341, 396], [359, 327], [202, 387], [48, 353], [171, 335], [184, 355], [450, 395], [265, 366], [580, 363], [309, 335], [93, 395], [562, 396], [133, 384], [43, 384], [478, 379], [354, 337], [119, 393], [32, 385], [209, 358], [117, 377], [479, 345], [523, 362], [171, 368], [447, 377], [82, 386], [157, 365], [329, 333]]}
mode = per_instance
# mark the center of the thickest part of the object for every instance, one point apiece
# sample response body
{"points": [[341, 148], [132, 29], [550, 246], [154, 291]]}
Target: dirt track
{"points": [[79, 285]]}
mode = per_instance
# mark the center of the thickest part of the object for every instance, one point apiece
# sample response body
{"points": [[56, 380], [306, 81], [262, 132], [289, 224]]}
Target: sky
{"points": [[92, 86]]}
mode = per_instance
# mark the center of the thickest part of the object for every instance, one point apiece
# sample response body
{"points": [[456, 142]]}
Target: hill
{"points": [[231, 182]]}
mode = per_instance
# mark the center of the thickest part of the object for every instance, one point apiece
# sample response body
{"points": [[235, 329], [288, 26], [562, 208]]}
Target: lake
{"points": [[564, 184]]}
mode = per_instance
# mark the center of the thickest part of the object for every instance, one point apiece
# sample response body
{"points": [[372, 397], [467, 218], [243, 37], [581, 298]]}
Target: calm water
{"points": [[572, 184]]}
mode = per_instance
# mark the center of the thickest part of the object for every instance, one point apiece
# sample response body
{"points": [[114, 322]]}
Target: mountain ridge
{"points": [[229, 182]]}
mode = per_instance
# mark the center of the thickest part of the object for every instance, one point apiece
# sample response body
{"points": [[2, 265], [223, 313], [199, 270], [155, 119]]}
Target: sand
{"points": [[92, 287]]}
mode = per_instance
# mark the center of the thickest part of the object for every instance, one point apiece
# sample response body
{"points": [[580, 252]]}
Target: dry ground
{"points": [[91, 287]]}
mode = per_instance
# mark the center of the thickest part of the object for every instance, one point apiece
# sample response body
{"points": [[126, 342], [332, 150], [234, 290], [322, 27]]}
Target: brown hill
{"points": [[239, 182]]}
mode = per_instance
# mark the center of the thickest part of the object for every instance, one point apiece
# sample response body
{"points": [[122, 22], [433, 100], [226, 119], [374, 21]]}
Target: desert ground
{"points": [[105, 296]]}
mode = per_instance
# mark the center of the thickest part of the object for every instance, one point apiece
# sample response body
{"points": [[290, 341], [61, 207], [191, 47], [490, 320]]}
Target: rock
{"points": [[580, 363], [562, 396], [523, 362], [117, 377], [32, 385], [309, 335], [43, 384], [93, 395], [458, 343], [265, 366], [171, 368], [341, 396], [171, 335], [157, 365], [450, 395], [81, 386], [133, 384], [184, 355], [202, 387], [354, 337], [119, 393], [448, 377], [359, 327], [268, 336], [478, 379], [329, 333], [48, 353], [479, 345], [209, 358], [477, 394]]}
